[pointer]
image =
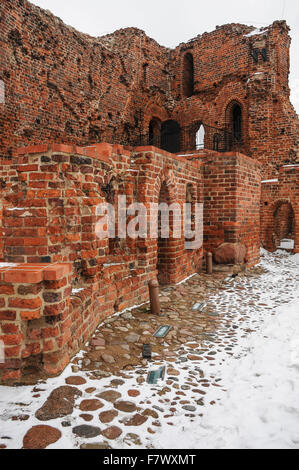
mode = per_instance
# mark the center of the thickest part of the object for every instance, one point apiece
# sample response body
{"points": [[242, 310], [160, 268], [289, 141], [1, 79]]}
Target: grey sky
{"points": [[173, 21]]}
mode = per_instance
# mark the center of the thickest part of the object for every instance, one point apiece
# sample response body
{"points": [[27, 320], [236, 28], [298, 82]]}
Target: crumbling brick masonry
{"points": [[84, 120]]}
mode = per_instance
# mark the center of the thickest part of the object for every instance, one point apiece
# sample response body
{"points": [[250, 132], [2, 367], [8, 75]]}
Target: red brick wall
{"points": [[34, 319], [231, 202], [280, 208], [64, 86], [49, 216]]}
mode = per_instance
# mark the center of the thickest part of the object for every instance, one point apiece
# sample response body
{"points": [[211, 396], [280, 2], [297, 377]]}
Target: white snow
{"points": [[76, 291], [287, 244], [256, 32], [7, 265], [257, 402], [275, 180]]}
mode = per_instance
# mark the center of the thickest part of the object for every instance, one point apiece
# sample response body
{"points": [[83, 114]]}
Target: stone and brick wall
{"points": [[231, 202], [64, 86], [59, 280], [280, 208], [34, 318], [48, 203]]}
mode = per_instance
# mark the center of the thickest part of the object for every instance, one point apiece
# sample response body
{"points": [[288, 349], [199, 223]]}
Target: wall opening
{"points": [[164, 261], [154, 133], [234, 126], [188, 75], [190, 219], [284, 226], [237, 122], [217, 142], [200, 138], [171, 136]]}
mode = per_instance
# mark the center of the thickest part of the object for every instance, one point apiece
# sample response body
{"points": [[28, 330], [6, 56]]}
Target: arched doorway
{"points": [[171, 136], [284, 226]]}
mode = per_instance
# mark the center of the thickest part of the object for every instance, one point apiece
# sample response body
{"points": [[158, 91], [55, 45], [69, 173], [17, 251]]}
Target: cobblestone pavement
{"points": [[103, 400]]}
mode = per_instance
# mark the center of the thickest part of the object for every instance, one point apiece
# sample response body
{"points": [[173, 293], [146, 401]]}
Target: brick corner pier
{"points": [[35, 317]]}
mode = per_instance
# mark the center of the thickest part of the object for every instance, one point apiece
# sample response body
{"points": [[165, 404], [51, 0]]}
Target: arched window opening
{"points": [[188, 75], [154, 133], [171, 136], [200, 138], [237, 122]]}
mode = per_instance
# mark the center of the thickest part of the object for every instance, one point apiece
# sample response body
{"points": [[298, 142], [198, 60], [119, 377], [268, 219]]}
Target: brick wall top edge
{"points": [[100, 151], [34, 273], [133, 31]]}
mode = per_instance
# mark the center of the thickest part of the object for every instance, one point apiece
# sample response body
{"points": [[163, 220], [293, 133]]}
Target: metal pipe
{"points": [[154, 297], [209, 262]]}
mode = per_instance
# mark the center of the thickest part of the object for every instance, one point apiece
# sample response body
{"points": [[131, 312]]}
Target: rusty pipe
{"points": [[209, 263], [154, 297]]}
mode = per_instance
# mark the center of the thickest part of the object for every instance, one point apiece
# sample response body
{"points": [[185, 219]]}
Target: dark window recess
{"points": [[154, 133], [171, 136], [264, 54], [255, 55], [188, 75], [216, 142], [237, 122], [145, 69]]}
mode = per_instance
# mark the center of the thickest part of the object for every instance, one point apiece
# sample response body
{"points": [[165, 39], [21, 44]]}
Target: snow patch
{"points": [[257, 32]]}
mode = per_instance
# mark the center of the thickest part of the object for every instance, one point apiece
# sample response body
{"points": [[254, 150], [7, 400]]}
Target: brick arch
{"points": [[270, 237], [166, 256], [154, 110], [230, 138], [166, 176]]}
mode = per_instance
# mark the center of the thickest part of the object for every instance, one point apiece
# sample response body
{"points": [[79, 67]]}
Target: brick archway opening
{"points": [[281, 223], [164, 244], [171, 136], [284, 224], [234, 125]]}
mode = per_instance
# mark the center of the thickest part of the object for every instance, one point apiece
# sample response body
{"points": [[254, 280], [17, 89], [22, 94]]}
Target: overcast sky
{"points": [[173, 21]]}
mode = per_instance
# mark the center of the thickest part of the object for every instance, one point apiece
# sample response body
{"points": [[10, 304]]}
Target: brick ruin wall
{"points": [[280, 208], [232, 195], [59, 280], [75, 91], [67, 87]]}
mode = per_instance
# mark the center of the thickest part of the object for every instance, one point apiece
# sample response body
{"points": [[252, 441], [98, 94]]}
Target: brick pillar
{"points": [[34, 319]]}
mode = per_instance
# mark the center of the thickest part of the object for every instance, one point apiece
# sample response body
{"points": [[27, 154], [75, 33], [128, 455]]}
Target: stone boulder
{"points": [[230, 253]]}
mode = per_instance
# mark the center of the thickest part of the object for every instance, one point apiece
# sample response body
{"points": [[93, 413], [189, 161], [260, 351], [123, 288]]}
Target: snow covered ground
{"points": [[260, 408], [252, 400]]}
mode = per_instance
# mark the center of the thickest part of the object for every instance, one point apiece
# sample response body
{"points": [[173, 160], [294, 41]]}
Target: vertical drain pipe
{"points": [[154, 297], [209, 263]]}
